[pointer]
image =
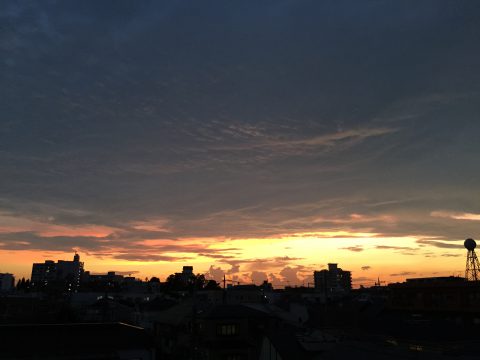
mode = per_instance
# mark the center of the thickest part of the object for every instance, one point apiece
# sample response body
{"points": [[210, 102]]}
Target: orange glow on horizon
{"points": [[367, 255]]}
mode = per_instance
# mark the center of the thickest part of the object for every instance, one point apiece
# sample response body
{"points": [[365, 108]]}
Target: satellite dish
{"points": [[470, 244]]}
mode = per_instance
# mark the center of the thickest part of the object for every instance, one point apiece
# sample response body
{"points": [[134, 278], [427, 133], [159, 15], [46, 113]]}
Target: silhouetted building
{"points": [[75, 341], [43, 273], [187, 274], [266, 286], [70, 272], [110, 278], [232, 332], [435, 280], [187, 270], [7, 282], [241, 294], [437, 294], [186, 277], [333, 282]]}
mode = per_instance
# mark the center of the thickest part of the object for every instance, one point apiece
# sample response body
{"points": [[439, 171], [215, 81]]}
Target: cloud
{"points": [[362, 279], [32, 241], [289, 275], [440, 244], [215, 273], [283, 259], [356, 248], [274, 279], [217, 256], [169, 158], [149, 257], [235, 269], [258, 277], [456, 215], [389, 247], [403, 250], [261, 263], [286, 146], [404, 273], [123, 245]]}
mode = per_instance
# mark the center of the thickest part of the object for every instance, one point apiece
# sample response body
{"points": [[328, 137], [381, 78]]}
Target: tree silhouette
{"points": [[180, 282], [212, 285]]}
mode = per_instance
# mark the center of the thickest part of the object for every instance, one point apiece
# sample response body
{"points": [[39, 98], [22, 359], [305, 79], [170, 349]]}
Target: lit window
{"points": [[227, 330], [235, 357]]}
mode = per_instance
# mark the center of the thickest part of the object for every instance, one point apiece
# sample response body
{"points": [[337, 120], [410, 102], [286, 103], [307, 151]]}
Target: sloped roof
{"points": [[233, 312], [56, 340]]}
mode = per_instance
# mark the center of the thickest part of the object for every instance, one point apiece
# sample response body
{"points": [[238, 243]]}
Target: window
{"points": [[234, 357], [227, 330]]}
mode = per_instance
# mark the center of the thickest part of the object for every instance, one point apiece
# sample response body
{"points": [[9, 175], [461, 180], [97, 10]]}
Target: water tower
{"points": [[472, 270]]}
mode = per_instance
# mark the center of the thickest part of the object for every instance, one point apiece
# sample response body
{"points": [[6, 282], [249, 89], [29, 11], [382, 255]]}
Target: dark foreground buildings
{"points": [[454, 295], [187, 317], [75, 342]]}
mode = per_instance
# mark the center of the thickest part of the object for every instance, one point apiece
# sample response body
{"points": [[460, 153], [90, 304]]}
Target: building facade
{"points": [[333, 282], [7, 282], [68, 272]]}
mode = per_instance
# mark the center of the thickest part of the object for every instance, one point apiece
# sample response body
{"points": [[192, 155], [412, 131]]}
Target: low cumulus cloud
{"points": [[261, 263], [280, 270], [215, 273], [274, 279], [258, 277], [289, 275], [235, 269]]}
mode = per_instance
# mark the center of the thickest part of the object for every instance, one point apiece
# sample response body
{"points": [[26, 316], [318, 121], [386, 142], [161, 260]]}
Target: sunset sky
{"points": [[257, 139]]}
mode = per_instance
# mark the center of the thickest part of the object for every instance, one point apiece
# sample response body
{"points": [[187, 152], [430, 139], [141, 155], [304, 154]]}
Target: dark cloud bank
{"points": [[244, 119]]}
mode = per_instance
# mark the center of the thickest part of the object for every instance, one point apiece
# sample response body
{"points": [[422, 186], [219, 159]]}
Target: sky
{"points": [[256, 139]]}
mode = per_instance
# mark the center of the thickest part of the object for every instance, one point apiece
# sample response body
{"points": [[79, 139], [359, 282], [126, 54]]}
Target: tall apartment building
{"points": [[334, 281], [49, 272], [43, 273]]}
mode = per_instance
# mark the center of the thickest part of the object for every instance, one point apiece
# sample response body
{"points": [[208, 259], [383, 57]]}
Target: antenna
{"points": [[472, 269]]}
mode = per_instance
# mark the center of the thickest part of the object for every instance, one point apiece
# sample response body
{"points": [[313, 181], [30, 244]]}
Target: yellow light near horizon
{"points": [[354, 251]]}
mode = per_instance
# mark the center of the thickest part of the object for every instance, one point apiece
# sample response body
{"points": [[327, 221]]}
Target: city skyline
{"points": [[260, 141]]}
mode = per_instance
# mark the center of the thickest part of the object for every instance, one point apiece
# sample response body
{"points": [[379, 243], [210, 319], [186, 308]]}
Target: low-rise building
{"points": [[110, 278], [435, 294], [7, 282], [244, 294], [75, 341], [232, 332]]}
